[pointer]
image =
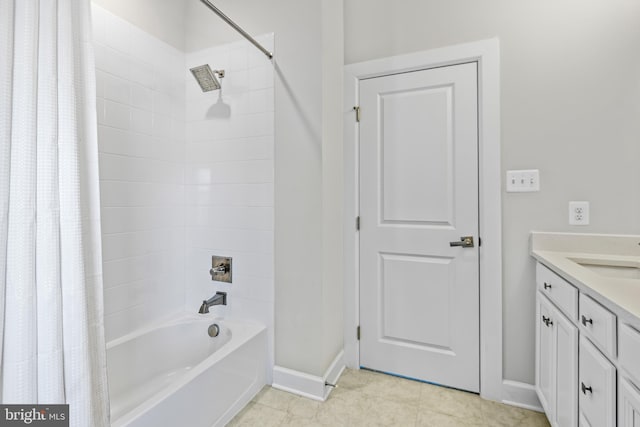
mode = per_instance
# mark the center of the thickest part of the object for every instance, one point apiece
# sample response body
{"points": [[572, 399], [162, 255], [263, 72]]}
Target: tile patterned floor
{"points": [[365, 398]]}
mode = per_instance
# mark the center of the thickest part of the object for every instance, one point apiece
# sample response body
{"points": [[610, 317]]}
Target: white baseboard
{"points": [[523, 395], [306, 385]]}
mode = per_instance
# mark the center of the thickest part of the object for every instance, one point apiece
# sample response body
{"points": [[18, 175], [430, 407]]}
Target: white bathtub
{"points": [[176, 375]]}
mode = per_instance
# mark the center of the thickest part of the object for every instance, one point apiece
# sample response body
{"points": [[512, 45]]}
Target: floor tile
{"points": [[451, 402], [394, 388], [427, 418], [368, 399], [385, 411], [353, 380], [274, 398], [345, 405], [303, 408], [501, 415], [294, 421], [259, 415]]}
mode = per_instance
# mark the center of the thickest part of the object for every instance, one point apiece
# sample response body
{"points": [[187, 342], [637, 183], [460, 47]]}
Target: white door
{"points": [[419, 296]]}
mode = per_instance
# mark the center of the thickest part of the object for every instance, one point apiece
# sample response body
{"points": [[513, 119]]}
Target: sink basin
{"points": [[615, 269]]}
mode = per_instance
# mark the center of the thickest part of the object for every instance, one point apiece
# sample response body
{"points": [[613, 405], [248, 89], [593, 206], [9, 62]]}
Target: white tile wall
{"points": [[140, 88], [229, 168], [184, 175]]}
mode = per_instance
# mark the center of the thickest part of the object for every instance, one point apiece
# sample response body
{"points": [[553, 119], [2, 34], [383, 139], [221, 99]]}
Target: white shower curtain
{"points": [[51, 313]]}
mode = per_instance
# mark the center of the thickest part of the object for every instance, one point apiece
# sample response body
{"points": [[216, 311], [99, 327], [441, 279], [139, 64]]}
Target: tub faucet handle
{"points": [[220, 269]]}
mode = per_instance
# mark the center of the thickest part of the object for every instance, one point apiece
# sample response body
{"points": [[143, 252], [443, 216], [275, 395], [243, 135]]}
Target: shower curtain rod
{"points": [[236, 27]]}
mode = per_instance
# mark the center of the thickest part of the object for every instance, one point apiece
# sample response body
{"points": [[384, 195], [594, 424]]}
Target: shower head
{"points": [[206, 77]]}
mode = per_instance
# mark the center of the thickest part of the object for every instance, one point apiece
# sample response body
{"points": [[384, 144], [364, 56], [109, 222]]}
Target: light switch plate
{"points": [[523, 181]]}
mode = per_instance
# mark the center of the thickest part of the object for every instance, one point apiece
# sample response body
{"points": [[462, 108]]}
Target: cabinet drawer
{"points": [[599, 324], [597, 387], [558, 290], [629, 351]]}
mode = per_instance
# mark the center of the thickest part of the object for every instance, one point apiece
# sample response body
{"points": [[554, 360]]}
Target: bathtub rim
{"points": [[244, 331], [178, 319]]}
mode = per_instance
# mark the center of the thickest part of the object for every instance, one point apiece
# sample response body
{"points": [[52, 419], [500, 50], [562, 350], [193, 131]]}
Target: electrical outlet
{"points": [[578, 213]]}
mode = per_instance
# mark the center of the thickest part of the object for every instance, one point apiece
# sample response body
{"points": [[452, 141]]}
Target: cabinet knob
{"points": [[547, 320], [585, 321], [585, 389], [547, 285]]}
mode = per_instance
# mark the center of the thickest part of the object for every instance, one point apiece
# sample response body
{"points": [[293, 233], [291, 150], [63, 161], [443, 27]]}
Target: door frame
{"points": [[487, 55]]}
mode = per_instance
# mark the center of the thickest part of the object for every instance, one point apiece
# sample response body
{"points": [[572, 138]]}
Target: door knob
{"points": [[465, 242]]}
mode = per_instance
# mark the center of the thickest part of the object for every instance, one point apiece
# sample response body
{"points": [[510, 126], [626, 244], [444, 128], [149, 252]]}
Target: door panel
{"points": [[403, 296], [419, 297], [404, 155]]}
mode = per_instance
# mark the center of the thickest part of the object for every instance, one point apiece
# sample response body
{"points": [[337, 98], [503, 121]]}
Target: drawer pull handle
{"points": [[547, 321], [586, 389], [585, 321], [547, 285]]}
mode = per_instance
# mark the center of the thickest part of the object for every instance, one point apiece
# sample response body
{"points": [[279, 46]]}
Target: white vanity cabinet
{"points": [[579, 349], [588, 328], [556, 367]]}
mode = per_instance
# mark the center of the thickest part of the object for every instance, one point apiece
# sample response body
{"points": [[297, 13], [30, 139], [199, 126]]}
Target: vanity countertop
{"points": [[605, 267]]}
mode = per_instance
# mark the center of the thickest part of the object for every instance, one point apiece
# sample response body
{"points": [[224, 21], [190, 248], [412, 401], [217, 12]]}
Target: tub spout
{"points": [[203, 308], [220, 298]]}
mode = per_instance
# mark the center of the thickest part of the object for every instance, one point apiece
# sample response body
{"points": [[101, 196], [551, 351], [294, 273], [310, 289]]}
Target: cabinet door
{"points": [[545, 355], [566, 368], [597, 389], [629, 351], [583, 421], [628, 405]]}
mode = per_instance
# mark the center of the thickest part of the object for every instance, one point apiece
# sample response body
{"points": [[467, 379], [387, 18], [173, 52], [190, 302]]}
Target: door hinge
{"points": [[358, 332], [357, 223], [479, 241], [357, 110]]}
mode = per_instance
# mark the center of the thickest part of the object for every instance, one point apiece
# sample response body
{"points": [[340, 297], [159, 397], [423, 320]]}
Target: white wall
{"points": [[163, 19], [570, 107], [140, 107], [229, 182], [308, 295], [332, 178]]}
